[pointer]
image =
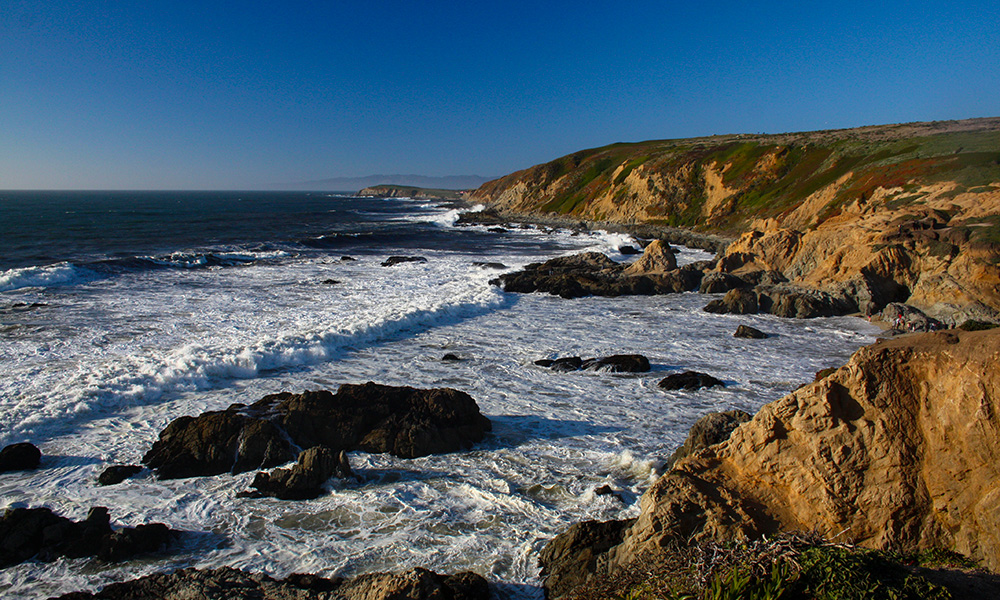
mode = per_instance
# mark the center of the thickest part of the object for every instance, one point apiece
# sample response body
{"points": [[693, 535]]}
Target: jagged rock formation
{"points": [[305, 479], [900, 448], [227, 583], [870, 215], [403, 421], [38, 533]]}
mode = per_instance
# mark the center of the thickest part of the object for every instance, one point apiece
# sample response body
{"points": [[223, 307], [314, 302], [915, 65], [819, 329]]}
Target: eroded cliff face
{"points": [[912, 209], [900, 448]]}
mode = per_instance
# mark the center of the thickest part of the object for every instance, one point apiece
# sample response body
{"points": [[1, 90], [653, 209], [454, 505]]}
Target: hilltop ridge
{"points": [[913, 208]]}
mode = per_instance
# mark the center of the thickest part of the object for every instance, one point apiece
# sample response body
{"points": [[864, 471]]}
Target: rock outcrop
{"points": [[38, 533], [227, 583], [23, 456], [305, 479], [403, 421], [618, 363], [898, 449], [594, 274], [689, 380]]}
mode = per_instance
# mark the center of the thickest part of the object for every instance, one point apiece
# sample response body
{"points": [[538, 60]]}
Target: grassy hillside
{"points": [[722, 183]]}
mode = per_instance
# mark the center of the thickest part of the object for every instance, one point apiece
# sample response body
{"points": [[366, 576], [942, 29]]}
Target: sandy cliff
{"points": [[900, 448], [912, 209]]}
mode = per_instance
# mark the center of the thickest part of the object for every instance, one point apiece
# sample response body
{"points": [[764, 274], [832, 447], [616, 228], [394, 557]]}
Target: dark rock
{"points": [[497, 230], [739, 301], [403, 421], [395, 260], [330, 282], [619, 363], [755, 278], [304, 480], [628, 250], [689, 380], [786, 300], [607, 490], [489, 265], [568, 560], [544, 362], [718, 283], [451, 358], [227, 583], [117, 473], [347, 259], [713, 428], [27, 533], [566, 364], [974, 325], [20, 457], [747, 332]]}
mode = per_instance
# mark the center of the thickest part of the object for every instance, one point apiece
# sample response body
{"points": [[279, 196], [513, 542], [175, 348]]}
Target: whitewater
{"points": [[195, 304]]}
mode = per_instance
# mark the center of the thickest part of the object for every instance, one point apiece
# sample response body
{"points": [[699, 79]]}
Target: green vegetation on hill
{"points": [[766, 176], [404, 191]]}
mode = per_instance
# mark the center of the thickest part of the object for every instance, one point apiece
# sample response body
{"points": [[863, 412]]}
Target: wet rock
{"points": [[628, 250], [711, 429], [786, 300], [747, 332], [489, 265], [23, 456], [451, 358], [227, 583], [404, 421], [330, 282], [304, 480], [619, 363], [566, 364], [569, 559], [27, 533], [739, 301], [347, 259], [117, 473], [719, 283], [658, 257], [395, 260], [689, 380]]}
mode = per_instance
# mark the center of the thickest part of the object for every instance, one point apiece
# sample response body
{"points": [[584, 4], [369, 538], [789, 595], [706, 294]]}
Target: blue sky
{"points": [[241, 95]]}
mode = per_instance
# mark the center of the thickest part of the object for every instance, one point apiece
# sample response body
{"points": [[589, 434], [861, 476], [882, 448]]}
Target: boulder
{"points": [[20, 457], [227, 583], [739, 301], [658, 257], [713, 428], [395, 260], [628, 250], [404, 421], [791, 301], [750, 333], [304, 480], [619, 363], [117, 473], [38, 533], [689, 380]]}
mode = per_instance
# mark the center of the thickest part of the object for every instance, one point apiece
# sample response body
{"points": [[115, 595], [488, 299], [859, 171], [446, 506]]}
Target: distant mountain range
{"points": [[353, 184]]}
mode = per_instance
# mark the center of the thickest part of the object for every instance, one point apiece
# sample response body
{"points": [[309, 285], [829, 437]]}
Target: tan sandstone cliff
{"points": [[900, 449], [912, 209]]}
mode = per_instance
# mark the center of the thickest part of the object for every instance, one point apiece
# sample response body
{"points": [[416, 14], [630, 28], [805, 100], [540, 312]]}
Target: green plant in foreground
{"points": [[836, 573]]}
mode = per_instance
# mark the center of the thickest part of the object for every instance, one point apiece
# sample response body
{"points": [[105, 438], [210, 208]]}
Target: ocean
{"points": [[122, 311]]}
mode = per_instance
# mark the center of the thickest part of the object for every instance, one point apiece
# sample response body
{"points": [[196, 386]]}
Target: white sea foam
{"points": [[47, 276]]}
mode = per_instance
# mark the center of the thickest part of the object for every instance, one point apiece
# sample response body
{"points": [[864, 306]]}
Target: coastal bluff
{"points": [[896, 213], [404, 191], [898, 449]]}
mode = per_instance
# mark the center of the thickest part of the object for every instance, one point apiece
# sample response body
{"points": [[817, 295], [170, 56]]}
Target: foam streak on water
{"points": [[95, 367]]}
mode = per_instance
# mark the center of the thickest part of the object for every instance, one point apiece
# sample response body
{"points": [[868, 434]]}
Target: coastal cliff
{"points": [[899, 449], [910, 211]]}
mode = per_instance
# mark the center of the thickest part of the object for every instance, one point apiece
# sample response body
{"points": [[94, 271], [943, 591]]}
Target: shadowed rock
{"points": [[747, 332], [304, 480], [117, 473], [227, 583], [38, 533], [619, 363], [403, 421], [571, 556], [711, 429], [689, 380], [395, 260], [20, 457]]}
